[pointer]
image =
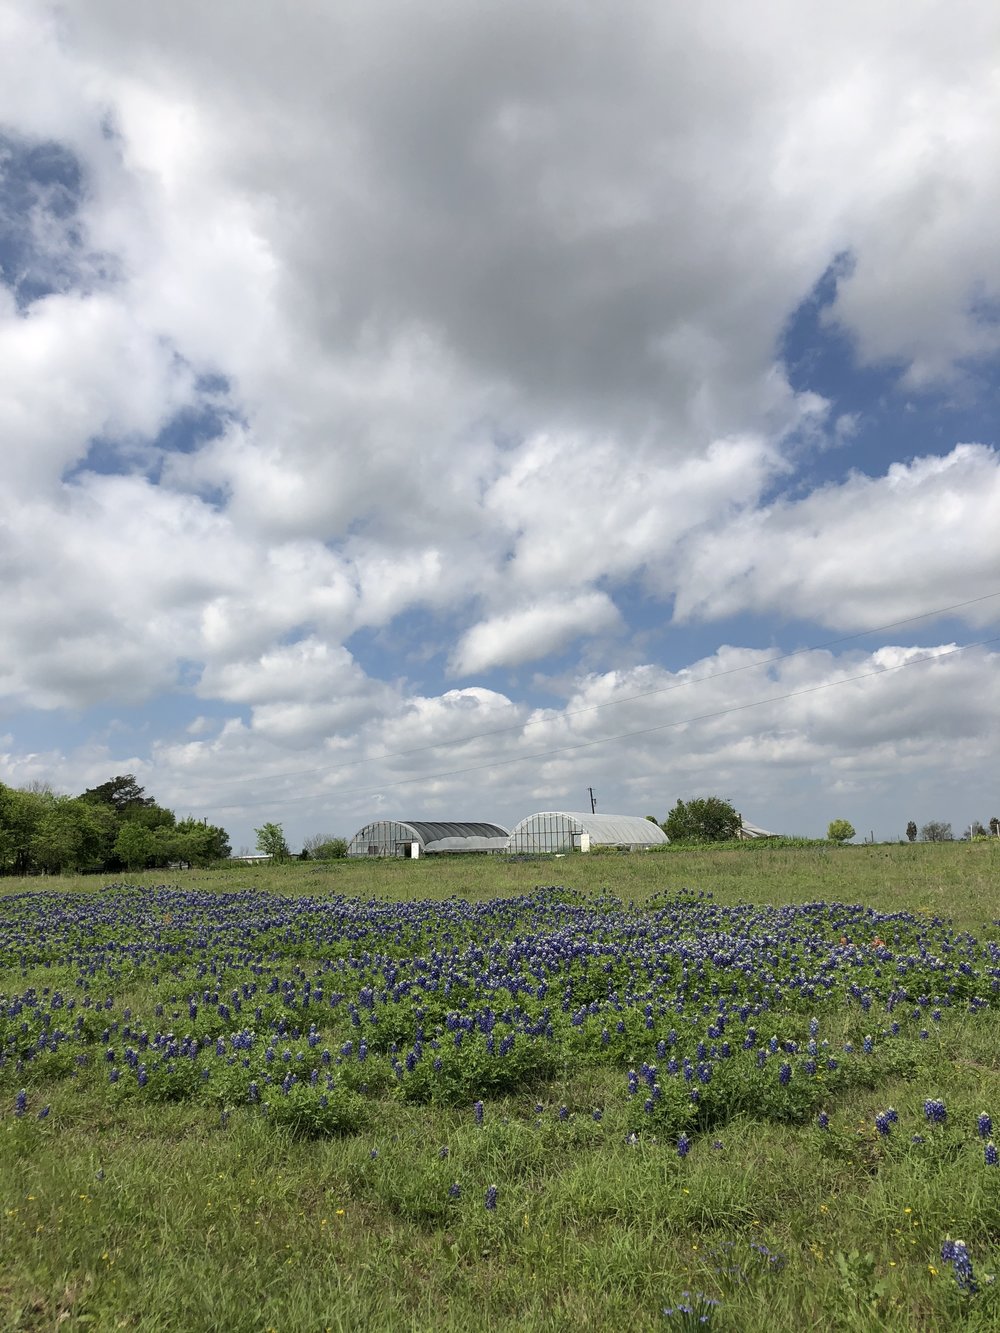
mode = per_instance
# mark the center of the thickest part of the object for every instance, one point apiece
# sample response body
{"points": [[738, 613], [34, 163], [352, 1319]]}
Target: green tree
{"points": [[324, 847], [20, 815], [134, 845], [840, 830], [202, 842], [937, 830], [271, 842], [703, 819], [69, 835], [122, 793], [911, 831]]}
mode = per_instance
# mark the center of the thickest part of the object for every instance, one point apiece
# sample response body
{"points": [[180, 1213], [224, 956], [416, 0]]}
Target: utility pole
{"points": [[593, 801]]}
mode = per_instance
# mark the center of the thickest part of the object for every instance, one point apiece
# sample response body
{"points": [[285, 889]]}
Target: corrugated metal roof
{"points": [[435, 831]]}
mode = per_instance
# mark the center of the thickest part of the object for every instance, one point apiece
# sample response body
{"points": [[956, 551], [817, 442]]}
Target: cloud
{"points": [[865, 552], [536, 631], [486, 315]]}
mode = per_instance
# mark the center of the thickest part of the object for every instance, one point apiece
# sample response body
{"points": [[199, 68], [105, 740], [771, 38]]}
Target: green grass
{"points": [[958, 880], [120, 1212]]}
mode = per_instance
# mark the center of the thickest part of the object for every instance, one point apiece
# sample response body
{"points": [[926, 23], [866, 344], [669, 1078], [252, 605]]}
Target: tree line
{"points": [[112, 827], [937, 830], [706, 819], [320, 847]]}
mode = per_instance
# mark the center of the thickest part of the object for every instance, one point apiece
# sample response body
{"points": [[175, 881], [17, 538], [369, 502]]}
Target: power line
{"points": [[642, 731], [629, 698]]}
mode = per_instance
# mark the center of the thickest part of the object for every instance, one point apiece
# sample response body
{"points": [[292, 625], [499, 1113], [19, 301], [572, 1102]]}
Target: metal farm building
{"points": [[413, 838], [566, 831]]}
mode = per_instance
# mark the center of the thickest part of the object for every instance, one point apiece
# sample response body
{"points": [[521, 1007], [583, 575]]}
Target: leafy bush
{"points": [[311, 1114], [840, 830], [704, 819]]}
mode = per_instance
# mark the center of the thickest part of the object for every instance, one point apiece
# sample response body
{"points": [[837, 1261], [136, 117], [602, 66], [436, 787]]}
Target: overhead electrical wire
{"points": [[642, 731]]}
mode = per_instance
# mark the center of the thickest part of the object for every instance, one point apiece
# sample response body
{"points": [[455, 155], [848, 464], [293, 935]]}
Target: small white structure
{"points": [[419, 837], [748, 831], [569, 831]]}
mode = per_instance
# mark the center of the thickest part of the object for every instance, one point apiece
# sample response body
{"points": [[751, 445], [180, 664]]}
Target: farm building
{"points": [[413, 838], [565, 831], [748, 831]]}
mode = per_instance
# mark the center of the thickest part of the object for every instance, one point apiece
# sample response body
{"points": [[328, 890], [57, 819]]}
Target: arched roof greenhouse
{"points": [[567, 831], [412, 837]]}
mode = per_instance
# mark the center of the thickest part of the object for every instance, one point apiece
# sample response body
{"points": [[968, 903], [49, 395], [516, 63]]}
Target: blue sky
{"points": [[394, 418]]}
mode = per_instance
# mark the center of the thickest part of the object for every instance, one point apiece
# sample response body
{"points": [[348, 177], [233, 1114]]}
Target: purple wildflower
{"points": [[954, 1252]]}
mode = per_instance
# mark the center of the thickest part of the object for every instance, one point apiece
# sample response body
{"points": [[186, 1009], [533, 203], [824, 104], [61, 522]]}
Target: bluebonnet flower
{"points": [[984, 1125], [490, 1202], [955, 1253], [43, 1113], [21, 1102], [784, 1075], [883, 1123], [697, 1309], [564, 1113], [990, 1153], [454, 1190], [823, 1120], [478, 1111], [935, 1111], [683, 1145]]}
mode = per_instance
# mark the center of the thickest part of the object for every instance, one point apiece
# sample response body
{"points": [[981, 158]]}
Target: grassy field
{"points": [[960, 880], [428, 1095]]}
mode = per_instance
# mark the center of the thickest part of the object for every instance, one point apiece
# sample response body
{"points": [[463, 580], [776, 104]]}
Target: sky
{"points": [[437, 411]]}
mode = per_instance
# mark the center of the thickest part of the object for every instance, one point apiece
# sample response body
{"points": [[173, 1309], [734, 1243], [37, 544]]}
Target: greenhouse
{"points": [[413, 838], [565, 831]]}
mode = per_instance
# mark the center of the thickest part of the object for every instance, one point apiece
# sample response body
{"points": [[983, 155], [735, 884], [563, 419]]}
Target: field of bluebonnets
{"points": [[318, 1106]]}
